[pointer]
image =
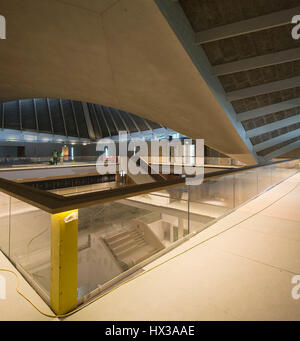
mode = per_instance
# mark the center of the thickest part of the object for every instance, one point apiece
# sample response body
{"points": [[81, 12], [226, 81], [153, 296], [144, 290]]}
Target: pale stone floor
{"points": [[243, 273]]}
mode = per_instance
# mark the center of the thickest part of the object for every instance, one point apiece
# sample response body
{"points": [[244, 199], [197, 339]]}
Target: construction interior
{"points": [[91, 246]]}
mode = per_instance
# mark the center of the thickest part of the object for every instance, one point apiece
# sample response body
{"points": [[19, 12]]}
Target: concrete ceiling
{"points": [[251, 51], [121, 54]]}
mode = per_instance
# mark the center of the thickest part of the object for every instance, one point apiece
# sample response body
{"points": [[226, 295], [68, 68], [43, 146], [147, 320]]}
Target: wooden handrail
{"points": [[54, 203]]}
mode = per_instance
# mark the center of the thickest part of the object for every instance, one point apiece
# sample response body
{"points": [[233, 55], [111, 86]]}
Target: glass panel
{"points": [[264, 178], [246, 186], [1, 112], [30, 241], [69, 118], [284, 170], [153, 125], [81, 122], [128, 120], [57, 119], [4, 223], [118, 120], [11, 115], [95, 124], [210, 200], [109, 121], [27, 114], [140, 122], [102, 123], [43, 115], [114, 237], [172, 206]]}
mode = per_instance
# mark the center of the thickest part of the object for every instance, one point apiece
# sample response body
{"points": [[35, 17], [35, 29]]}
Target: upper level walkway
{"points": [[240, 268]]}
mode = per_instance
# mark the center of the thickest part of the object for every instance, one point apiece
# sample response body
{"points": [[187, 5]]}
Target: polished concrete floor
{"points": [[243, 272]]}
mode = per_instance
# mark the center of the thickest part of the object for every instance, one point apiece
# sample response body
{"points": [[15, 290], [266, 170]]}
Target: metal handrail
{"points": [[55, 203]]}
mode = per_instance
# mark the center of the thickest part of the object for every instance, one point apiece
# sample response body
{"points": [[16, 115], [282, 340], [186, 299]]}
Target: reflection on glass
{"points": [[30, 241], [4, 223]]}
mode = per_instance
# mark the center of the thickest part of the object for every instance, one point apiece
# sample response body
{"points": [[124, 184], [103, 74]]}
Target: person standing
{"points": [[61, 158], [55, 157]]}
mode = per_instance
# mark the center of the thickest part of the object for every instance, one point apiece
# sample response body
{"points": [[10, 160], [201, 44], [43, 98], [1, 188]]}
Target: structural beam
{"points": [[88, 120], [135, 124], [276, 140], [2, 121], [113, 120], [96, 118], [269, 109], [257, 62], [20, 114], [50, 115], [63, 116], [121, 118], [282, 150], [273, 126], [147, 124], [35, 115], [75, 119], [104, 119], [63, 283], [263, 89], [260, 23]]}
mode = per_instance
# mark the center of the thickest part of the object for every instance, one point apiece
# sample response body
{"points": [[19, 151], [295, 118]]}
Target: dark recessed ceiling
{"points": [[68, 118]]}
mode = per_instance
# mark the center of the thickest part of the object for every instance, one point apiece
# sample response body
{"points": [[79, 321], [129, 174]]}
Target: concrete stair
{"points": [[129, 247]]}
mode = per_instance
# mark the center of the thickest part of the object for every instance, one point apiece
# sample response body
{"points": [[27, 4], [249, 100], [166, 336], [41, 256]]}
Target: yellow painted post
{"points": [[63, 284]]}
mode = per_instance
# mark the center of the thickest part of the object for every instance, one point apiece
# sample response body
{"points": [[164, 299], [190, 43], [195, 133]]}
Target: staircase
{"points": [[129, 247]]}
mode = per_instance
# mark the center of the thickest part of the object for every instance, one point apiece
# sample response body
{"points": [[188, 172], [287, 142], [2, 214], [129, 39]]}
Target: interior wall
{"points": [[33, 149]]}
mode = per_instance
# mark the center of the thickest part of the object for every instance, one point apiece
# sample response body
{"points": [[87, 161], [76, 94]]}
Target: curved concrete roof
{"points": [[118, 53]]}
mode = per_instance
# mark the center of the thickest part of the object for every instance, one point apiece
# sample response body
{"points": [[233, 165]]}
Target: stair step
{"points": [[129, 250], [120, 235], [117, 236], [125, 246], [126, 252], [120, 241], [130, 247]]}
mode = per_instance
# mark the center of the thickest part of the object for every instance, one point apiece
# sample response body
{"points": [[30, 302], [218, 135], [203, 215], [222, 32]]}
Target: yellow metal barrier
{"points": [[63, 285]]}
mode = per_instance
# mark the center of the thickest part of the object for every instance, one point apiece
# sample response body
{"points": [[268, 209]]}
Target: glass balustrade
{"points": [[117, 238]]}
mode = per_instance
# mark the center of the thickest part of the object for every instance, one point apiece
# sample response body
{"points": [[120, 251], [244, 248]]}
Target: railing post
{"points": [[63, 284]]}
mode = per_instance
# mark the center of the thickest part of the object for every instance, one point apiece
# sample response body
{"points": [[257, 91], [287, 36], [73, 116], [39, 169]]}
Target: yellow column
{"points": [[63, 284]]}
